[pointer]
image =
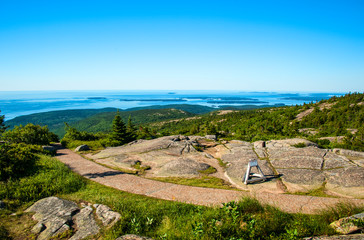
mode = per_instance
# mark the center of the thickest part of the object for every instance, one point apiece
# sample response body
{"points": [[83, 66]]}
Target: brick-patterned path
{"points": [[188, 194]]}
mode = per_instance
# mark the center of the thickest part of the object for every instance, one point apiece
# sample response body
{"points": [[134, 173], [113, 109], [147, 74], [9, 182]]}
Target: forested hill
{"points": [[102, 122], [97, 120], [337, 116], [56, 119]]}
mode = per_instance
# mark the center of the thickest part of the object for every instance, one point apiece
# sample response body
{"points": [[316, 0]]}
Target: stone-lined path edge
{"points": [[189, 194]]}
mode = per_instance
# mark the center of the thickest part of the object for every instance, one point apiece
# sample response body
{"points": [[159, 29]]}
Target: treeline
{"points": [[337, 116], [118, 134]]}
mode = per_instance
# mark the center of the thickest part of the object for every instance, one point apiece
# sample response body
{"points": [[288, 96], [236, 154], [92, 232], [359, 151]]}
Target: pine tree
{"points": [[119, 133], [2, 125], [130, 130]]}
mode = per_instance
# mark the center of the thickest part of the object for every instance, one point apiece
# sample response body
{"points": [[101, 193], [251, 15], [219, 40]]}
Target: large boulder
{"points": [[54, 215]]}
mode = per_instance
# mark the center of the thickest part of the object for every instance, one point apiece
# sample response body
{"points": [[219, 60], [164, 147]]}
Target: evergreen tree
{"points": [[2, 125], [119, 132], [130, 130]]}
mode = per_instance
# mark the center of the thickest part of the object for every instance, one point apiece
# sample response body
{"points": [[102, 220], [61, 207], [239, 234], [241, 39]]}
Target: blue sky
{"points": [[182, 45]]}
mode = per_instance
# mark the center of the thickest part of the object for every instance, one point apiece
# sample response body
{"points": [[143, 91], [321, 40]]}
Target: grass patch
{"points": [[222, 163], [203, 181], [94, 145], [339, 211], [159, 219], [51, 177], [318, 192], [299, 145], [17, 226], [210, 170], [141, 168]]}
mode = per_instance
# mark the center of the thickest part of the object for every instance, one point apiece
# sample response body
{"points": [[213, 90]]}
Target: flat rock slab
{"points": [[302, 176], [309, 167], [188, 194], [302, 165], [171, 156]]}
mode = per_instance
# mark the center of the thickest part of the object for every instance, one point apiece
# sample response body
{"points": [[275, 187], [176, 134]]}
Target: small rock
{"points": [[133, 237], [82, 148], [38, 228], [211, 137], [106, 215], [348, 225]]}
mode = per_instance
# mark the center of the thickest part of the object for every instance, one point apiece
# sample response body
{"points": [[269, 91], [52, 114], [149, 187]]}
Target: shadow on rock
{"points": [[102, 174]]}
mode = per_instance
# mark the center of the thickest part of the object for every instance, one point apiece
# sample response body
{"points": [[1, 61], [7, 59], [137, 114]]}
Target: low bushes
{"points": [[46, 178], [30, 134], [16, 160]]}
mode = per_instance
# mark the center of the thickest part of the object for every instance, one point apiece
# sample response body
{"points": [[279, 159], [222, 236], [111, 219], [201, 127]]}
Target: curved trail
{"points": [[188, 194]]}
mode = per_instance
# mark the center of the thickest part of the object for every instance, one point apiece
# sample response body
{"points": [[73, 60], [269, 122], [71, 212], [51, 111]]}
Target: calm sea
{"points": [[13, 104]]}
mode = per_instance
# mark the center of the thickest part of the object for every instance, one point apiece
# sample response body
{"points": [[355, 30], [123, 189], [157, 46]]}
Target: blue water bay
{"points": [[13, 104]]}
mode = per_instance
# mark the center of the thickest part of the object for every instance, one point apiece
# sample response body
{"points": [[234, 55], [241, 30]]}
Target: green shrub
{"points": [[299, 145], [49, 177], [72, 144], [16, 160], [30, 134], [73, 134]]}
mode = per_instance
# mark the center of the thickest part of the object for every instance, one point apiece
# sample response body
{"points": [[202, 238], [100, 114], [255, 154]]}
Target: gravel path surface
{"points": [[188, 194]]}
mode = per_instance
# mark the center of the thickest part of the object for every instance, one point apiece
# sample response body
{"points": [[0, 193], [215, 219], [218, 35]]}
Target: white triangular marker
{"points": [[253, 177]]}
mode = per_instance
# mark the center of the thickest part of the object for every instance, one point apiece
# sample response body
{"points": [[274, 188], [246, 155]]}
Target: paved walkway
{"points": [[188, 194]]}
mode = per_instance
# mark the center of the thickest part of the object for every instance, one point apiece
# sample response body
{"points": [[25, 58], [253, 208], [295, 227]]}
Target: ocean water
{"points": [[17, 103]]}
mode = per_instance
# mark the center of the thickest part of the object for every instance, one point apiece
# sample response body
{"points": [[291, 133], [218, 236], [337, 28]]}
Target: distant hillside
{"points": [[55, 119], [337, 116], [102, 122], [96, 120]]}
